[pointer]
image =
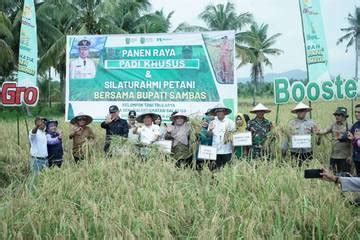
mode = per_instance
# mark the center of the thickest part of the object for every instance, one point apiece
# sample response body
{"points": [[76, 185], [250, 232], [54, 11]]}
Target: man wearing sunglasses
{"points": [[340, 160]]}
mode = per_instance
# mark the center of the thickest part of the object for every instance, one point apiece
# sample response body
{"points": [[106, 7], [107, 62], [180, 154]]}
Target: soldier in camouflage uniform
{"points": [[259, 127]]}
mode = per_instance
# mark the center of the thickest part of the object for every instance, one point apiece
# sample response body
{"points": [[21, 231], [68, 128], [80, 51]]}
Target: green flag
{"points": [[28, 49], [315, 42]]}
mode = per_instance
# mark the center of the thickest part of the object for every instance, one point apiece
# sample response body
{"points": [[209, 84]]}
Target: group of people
{"points": [[216, 130]]}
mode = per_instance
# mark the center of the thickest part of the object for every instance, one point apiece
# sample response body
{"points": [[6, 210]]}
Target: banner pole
{"points": [[277, 114], [352, 111], [356, 74], [306, 58], [24, 110], [18, 127]]}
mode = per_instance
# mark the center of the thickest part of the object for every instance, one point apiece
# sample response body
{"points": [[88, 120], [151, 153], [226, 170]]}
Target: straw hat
{"points": [[219, 107], [301, 106], [260, 107], [180, 115], [172, 114], [141, 117], [88, 119]]}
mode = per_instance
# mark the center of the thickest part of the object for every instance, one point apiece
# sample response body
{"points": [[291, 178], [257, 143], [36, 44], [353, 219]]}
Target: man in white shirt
{"points": [[83, 67], [38, 146], [220, 129], [133, 137], [149, 132]]}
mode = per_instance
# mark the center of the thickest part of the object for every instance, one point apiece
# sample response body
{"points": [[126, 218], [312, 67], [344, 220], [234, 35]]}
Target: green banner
{"points": [[315, 43], [28, 49], [163, 72]]}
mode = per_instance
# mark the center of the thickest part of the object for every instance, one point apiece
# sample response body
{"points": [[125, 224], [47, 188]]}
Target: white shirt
{"points": [[148, 134], [218, 135], [350, 184], [163, 131], [82, 68], [133, 137], [38, 144]]}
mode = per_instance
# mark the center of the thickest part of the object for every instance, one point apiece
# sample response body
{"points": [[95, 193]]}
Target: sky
{"points": [[283, 16]]}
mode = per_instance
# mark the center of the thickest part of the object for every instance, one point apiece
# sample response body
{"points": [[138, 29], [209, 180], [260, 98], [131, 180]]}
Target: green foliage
{"points": [[245, 90], [56, 19], [352, 31], [41, 109], [219, 17], [224, 17], [254, 47]]}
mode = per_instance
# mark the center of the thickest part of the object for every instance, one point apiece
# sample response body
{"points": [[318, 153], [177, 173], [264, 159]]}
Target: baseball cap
{"points": [[132, 113], [113, 108]]}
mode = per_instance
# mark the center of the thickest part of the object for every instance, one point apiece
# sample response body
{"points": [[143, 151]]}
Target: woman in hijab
{"points": [[204, 139], [240, 126]]}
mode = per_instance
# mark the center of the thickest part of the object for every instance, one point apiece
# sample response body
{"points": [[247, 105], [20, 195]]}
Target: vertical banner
{"points": [[315, 43], [159, 73], [28, 49]]}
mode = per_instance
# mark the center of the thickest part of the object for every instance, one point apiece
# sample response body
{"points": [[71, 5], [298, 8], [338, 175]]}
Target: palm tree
{"points": [[96, 17], [185, 27], [224, 17], [10, 22], [76, 17], [10, 7], [219, 17], [253, 47], [7, 56], [352, 35]]}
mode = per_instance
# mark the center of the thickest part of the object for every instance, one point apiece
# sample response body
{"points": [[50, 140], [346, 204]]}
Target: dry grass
{"points": [[126, 198]]}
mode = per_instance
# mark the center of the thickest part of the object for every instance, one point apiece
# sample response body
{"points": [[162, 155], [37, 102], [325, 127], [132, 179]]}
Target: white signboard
{"points": [[242, 139], [301, 141], [165, 145], [207, 152]]}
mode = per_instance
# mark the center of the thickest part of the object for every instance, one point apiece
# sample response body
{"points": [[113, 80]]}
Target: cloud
{"points": [[283, 16]]}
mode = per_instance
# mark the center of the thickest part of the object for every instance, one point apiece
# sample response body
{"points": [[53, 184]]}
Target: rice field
{"points": [[125, 198]]}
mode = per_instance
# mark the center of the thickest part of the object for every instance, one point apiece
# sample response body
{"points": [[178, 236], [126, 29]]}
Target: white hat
{"points": [[180, 115], [219, 107], [301, 106], [141, 117], [260, 107], [88, 119]]}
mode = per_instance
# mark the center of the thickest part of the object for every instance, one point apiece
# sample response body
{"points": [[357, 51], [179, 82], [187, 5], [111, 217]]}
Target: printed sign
{"points": [[12, 95], [242, 139], [207, 152], [159, 73], [314, 91], [165, 145], [301, 141]]}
